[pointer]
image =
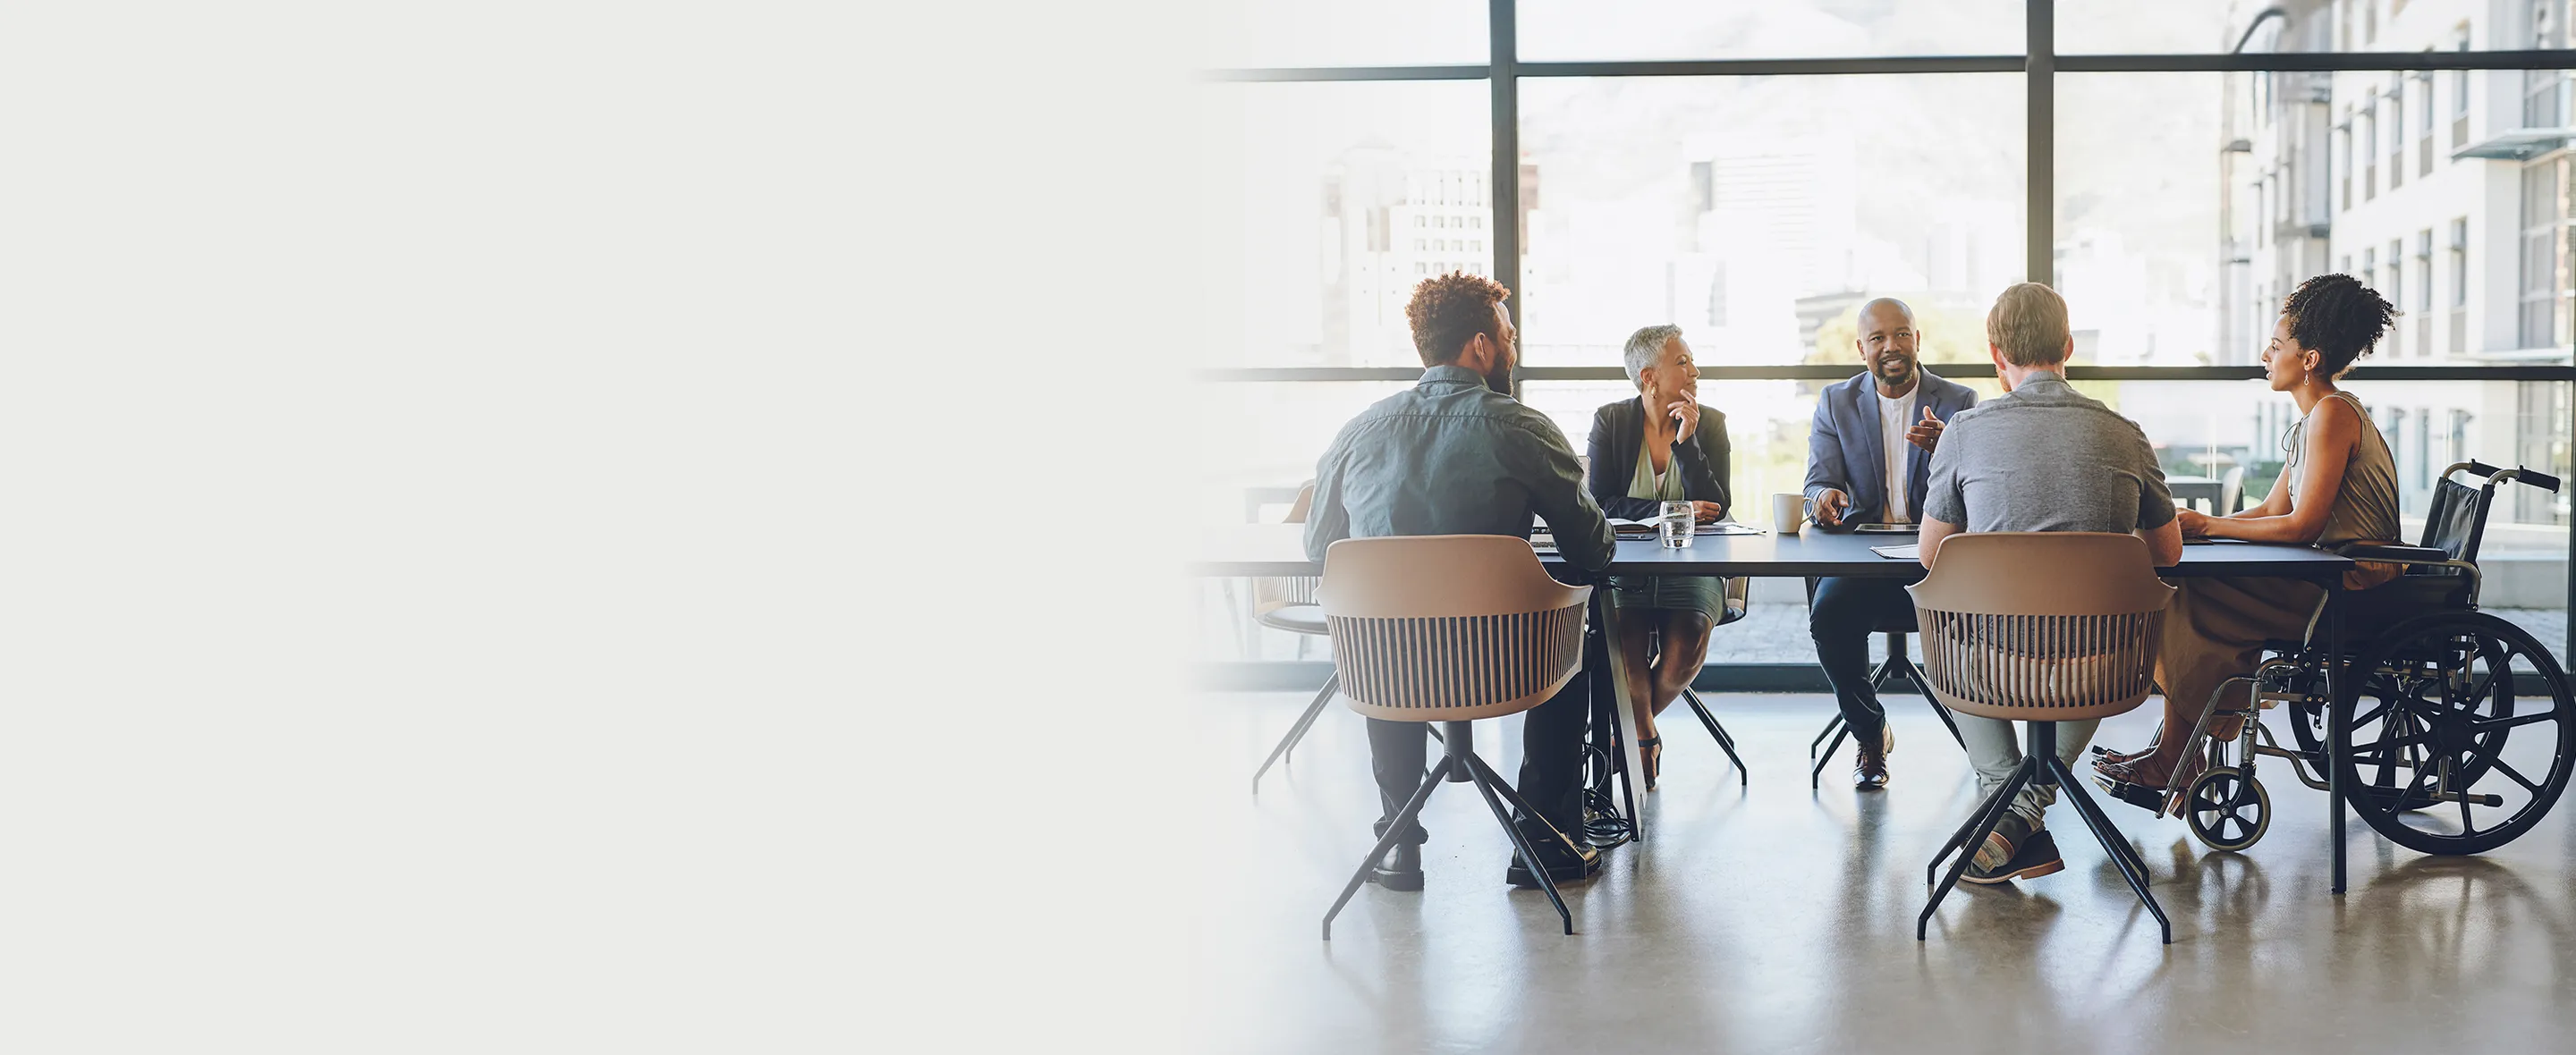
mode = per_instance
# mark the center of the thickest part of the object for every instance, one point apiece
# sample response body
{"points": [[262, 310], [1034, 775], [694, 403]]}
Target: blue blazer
{"points": [[1844, 449]]}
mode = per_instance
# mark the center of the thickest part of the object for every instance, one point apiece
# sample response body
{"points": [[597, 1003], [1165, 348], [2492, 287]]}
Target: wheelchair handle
{"points": [[2536, 478], [2520, 474]]}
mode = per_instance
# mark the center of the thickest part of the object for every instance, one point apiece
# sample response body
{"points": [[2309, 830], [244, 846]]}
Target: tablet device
{"points": [[1888, 529]]}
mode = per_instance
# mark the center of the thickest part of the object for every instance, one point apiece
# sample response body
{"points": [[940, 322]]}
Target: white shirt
{"points": [[1893, 420]]}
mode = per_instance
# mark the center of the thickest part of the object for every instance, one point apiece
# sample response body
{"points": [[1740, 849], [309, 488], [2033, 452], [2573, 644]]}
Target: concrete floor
{"points": [[1775, 919]]}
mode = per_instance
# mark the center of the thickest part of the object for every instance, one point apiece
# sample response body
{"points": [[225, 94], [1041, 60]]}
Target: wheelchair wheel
{"points": [[2441, 754], [2227, 808]]}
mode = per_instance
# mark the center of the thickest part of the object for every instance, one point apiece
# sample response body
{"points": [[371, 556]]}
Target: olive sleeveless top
{"points": [[2365, 506]]}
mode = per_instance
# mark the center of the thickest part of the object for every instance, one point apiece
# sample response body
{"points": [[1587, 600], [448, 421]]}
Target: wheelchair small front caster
{"points": [[2227, 809]]}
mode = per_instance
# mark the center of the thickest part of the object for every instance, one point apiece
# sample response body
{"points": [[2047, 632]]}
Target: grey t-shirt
{"points": [[2046, 458]]}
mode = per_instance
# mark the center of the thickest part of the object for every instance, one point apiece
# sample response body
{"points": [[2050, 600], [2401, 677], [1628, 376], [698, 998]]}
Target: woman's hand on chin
{"points": [[1687, 412]]}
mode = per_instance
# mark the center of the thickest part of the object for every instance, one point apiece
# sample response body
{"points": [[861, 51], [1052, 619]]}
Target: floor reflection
{"points": [[1770, 917]]}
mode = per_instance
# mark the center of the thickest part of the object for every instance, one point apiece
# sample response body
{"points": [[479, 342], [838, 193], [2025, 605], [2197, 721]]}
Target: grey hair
{"points": [[1645, 348]]}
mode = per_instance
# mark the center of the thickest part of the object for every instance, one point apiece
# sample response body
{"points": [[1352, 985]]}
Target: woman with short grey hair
{"points": [[1661, 446]]}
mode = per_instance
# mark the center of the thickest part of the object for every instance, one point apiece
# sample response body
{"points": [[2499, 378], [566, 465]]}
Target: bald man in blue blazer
{"points": [[1869, 458]]}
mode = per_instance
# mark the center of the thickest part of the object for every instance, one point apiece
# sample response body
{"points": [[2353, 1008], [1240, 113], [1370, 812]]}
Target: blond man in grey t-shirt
{"points": [[2042, 458]]}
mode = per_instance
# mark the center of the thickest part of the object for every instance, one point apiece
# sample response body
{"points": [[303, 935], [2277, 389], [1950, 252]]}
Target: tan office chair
{"points": [[1288, 603], [2078, 642], [1448, 629]]}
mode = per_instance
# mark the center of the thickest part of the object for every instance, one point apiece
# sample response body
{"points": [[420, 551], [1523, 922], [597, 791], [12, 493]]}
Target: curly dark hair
{"points": [[2338, 318], [1449, 310]]}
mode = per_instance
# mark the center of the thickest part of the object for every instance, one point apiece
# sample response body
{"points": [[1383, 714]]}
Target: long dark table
{"points": [[1279, 549]]}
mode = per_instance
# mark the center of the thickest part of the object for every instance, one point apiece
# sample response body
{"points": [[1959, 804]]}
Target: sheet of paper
{"points": [[1899, 552]]}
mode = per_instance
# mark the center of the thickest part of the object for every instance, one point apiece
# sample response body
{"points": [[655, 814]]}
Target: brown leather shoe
{"points": [[1869, 766]]}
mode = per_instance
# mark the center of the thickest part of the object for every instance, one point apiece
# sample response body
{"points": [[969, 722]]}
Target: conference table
{"points": [[1255, 550]]}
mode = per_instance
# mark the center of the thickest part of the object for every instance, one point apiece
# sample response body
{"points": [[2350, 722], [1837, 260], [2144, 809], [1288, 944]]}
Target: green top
{"points": [[1643, 484]]}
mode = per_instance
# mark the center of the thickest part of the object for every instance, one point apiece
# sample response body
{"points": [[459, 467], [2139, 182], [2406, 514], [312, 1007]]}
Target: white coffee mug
{"points": [[1788, 511]]}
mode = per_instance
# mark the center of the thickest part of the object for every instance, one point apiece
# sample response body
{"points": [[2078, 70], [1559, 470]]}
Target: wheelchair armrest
{"points": [[2396, 554]]}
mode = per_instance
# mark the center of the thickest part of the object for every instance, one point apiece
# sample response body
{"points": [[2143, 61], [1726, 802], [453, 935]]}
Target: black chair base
{"points": [[2039, 765], [1288, 744], [1718, 732], [1287, 749], [1897, 665], [1459, 764]]}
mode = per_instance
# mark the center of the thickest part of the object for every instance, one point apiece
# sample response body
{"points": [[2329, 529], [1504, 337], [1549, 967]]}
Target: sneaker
{"points": [[2035, 856], [1886, 737], [2009, 832]]}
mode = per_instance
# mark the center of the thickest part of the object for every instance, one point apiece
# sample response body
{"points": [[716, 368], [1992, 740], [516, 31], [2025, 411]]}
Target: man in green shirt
{"points": [[1457, 455]]}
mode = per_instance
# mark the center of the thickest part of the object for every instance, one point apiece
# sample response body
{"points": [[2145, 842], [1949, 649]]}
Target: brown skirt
{"points": [[2216, 629]]}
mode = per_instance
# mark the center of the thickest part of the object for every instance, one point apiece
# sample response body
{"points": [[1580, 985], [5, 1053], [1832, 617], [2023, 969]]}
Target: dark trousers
{"points": [[1841, 616], [1551, 760]]}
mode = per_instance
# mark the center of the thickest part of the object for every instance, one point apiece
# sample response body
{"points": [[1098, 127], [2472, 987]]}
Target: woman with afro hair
{"points": [[2339, 487]]}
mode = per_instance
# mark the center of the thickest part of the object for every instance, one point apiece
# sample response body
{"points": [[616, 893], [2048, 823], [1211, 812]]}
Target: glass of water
{"points": [[1675, 528]]}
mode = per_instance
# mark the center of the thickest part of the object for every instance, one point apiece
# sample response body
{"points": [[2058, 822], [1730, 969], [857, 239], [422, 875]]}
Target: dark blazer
{"points": [[1620, 428], [1843, 451]]}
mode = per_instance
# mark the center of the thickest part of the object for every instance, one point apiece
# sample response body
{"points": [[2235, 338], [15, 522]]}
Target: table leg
{"points": [[1631, 756], [2334, 722]]}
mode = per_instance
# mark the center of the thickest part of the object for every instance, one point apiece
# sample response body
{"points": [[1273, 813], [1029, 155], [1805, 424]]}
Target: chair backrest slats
{"points": [[1271, 593], [1448, 627], [2053, 626]]}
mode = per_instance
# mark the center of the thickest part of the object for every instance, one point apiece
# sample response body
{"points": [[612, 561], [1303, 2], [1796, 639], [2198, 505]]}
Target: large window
{"points": [[1325, 203], [1754, 210], [1752, 172]]}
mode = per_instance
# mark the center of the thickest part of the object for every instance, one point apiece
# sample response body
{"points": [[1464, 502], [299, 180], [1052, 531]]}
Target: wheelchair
{"points": [[2431, 693]]}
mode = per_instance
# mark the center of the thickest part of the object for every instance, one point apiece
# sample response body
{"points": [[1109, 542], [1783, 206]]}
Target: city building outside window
{"points": [[2424, 267], [2544, 252], [2370, 146], [2423, 310], [2423, 452], [2345, 132], [2460, 92], [2424, 123], [2396, 131], [2543, 105], [2459, 286], [2396, 293]]}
